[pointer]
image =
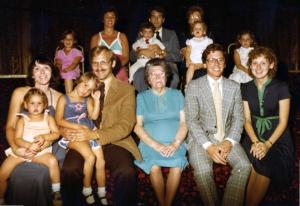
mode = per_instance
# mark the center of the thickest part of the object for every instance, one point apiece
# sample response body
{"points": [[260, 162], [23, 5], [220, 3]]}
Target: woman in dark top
{"points": [[268, 142], [29, 182]]}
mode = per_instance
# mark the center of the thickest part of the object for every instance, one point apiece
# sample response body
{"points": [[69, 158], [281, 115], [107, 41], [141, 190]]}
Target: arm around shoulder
{"points": [[15, 106]]}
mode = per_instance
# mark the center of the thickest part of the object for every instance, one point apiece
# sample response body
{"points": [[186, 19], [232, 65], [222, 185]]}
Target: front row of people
{"points": [[212, 116]]}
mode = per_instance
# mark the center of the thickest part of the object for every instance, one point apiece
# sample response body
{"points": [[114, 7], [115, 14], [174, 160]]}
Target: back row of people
{"points": [[164, 44]]}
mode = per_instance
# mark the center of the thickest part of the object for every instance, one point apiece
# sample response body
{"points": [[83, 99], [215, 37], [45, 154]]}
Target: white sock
{"points": [[101, 191], [86, 191], [55, 187]]}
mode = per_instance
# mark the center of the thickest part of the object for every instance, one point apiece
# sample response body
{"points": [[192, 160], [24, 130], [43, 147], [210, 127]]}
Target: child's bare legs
{"points": [[190, 73], [5, 171], [68, 85], [51, 162], [100, 175], [89, 161]]}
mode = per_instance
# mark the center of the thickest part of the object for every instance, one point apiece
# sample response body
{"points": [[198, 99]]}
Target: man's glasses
{"points": [[220, 60], [101, 63]]}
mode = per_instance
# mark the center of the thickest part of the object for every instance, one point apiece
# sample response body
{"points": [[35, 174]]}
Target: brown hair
{"points": [[266, 52], [202, 24], [63, 36], [147, 25], [35, 91], [193, 9], [86, 77], [54, 80], [212, 48], [244, 32], [157, 62], [159, 9], [97, 50], [110, 9]]}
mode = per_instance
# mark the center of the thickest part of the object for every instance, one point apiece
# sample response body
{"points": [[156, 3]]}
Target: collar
{"points": [[211, 81], [160, 32], [150, 40]]}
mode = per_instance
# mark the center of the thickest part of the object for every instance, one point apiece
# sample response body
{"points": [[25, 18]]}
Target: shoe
{"points": [[89, 199], [56, 199], [103, 200], [63, 143]]}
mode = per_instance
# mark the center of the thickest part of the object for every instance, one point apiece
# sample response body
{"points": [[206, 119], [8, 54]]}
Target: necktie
{"points": [[157, 35], [102, 95], [218, 106], [147, 41]]}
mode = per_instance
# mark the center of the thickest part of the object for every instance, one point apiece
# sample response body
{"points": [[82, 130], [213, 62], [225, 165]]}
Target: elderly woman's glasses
{"points": [[157, 75], [195, 17]]}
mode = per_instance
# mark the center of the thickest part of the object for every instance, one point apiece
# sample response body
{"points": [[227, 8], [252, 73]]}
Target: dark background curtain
{"points": [[30, 27]]}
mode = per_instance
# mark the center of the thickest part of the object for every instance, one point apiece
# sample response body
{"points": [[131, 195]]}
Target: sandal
{"points": [[103, 200], [90, 199]]}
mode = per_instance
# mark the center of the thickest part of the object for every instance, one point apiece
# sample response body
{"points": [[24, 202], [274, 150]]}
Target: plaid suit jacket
{"points": [[201, 114]]}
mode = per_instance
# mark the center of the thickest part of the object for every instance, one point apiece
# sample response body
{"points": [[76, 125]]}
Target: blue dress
{"points": [[76, 112], [161, 122]]}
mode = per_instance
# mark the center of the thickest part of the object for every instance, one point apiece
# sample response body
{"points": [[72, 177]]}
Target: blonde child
{"points": [[67, 59], [77, 110], [146, 41], [245, 43], [195, 48], [31, 132]]}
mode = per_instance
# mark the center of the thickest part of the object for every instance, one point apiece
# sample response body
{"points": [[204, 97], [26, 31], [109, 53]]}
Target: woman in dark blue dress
{"points": [[268, 142]]}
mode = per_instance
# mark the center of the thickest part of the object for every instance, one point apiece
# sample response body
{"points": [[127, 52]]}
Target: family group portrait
{"points": [[149, 103]]}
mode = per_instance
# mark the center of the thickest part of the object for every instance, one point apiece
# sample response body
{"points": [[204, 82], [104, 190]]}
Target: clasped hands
{"points": [[35, 147], [165, 150], [82, 133], [259, 149], [219, 152]]}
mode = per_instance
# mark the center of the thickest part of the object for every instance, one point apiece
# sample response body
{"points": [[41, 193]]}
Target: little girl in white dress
{"points": [[246, 42]]}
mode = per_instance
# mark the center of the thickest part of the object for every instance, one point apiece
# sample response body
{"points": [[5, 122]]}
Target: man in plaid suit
{"points": [[213, 136]]}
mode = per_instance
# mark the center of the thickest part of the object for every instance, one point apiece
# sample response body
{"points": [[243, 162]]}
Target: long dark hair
{"points": [[41, 59], [63, 36]]}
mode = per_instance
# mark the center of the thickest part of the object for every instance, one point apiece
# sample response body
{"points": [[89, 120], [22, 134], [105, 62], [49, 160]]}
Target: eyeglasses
{"points": [[195, 17], [215, 60], [101, 63], [157, 75]]}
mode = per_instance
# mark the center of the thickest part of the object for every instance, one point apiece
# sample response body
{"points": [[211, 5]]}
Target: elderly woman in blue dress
{"points": [[162, 130]]}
